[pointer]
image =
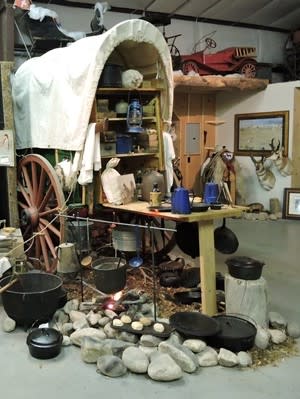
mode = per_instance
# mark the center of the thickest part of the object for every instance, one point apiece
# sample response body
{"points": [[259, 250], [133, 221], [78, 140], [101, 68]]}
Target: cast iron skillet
{"points": [[226, 241]]}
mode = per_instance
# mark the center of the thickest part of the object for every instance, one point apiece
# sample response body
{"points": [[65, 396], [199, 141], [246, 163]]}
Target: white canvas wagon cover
{"points": [[53, 94]]}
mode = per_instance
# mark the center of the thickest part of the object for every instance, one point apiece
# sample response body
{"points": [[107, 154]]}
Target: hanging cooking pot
{"points": [[226, 241], [109, 274]]}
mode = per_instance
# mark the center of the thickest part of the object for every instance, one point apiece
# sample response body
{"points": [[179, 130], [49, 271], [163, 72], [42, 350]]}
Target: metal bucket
{"points": [[109, 274], [79, 232], [126, 239]]}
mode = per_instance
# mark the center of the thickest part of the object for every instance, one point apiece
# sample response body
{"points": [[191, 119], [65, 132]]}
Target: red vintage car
{"points": [[230, 60]]}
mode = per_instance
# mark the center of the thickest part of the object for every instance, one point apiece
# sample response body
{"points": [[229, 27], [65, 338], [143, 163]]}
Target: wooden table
{"points": [[205, 222]]}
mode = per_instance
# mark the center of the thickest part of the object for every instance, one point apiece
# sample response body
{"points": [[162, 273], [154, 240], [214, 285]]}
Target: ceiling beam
{"points": [[76, 4]]}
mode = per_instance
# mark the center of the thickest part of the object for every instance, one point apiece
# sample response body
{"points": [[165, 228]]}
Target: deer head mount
{"points": [[264, 175], [282, 163]]}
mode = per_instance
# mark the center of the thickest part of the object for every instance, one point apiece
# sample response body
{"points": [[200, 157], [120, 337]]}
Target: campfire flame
{"points": [[111, 303]]}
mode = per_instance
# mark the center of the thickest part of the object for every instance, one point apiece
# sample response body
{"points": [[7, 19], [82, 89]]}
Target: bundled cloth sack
{"points": [[111, 183]]}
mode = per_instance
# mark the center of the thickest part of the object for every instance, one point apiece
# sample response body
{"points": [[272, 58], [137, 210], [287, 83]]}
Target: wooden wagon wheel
{"points": [[40, 200]]}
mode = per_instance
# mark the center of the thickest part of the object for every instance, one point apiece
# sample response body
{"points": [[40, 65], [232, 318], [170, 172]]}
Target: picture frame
{"points": [[291, 203], [254, 132]]}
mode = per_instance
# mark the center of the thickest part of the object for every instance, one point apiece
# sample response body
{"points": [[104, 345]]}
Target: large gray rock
{"points": [[227, 358], [277, 321], [76, 315], [78, 335], [262, 338], [293, 329], [148, 350], [245, 359], [195, 345], [135, 360], [278, 336], [128, 337], [110, 331], [80, 323], [67, 328], [117, 346], [208, 357], [92, 349], [73, 304], [164, 368], [8, 324], [60, 317], [111, 366], [150, 340], [93, 318], [182, 355], [103, 320]]}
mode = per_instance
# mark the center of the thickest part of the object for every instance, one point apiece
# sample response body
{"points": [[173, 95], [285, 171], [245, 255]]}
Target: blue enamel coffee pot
{"points": [[180, 201]]}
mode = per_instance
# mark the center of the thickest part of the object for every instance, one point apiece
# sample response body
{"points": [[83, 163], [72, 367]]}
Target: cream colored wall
{"points": [[277, 97]]}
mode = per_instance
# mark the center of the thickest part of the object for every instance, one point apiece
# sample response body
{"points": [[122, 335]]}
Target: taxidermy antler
{"points": [[265, 176], [282, 163]]}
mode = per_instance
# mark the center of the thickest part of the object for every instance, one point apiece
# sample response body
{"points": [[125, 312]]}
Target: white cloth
{"points": [[4, 265], [91, 158], [53, 94], [169, 154]]}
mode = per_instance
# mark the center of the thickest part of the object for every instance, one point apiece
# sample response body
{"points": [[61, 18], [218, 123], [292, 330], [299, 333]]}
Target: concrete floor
{"points": [[277, 243]]}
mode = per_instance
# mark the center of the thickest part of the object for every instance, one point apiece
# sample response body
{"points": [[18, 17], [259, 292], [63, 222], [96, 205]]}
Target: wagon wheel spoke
{"points": [[40, 200], [28, 183], [46, 199], [50, 227], [25, 195], [47, 212], [44, 251], [48, 241]]}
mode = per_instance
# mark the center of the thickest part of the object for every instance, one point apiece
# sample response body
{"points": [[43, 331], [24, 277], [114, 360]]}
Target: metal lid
{"points": [[243, 261], [44, 336]]}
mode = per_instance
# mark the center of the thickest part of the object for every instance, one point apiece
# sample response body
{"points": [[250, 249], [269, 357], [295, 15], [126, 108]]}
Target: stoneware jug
{"points": [[180, 201]]}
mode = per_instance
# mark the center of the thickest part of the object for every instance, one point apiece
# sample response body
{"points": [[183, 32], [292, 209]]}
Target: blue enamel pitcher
{"points": [[180, 201]]}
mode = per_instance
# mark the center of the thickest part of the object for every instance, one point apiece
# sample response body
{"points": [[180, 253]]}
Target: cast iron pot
{"points": [[194, 324], [33, 298], [244, 268], [236, 334], [44, 343], [109, 274]]}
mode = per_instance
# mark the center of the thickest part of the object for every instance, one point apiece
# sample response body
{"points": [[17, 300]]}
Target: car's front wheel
{"points": [[248, 69]]}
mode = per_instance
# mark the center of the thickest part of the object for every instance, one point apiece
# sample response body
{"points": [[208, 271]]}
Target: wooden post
{"points": [[6, 31], [207, 267], [8, 174]]}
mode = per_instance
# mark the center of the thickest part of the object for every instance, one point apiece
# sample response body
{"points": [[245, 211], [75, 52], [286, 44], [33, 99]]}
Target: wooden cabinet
{"points": [[137, 151]]}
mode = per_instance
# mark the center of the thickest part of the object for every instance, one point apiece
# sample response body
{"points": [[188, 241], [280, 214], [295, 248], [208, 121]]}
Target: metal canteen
{"points": [[180, 201]]}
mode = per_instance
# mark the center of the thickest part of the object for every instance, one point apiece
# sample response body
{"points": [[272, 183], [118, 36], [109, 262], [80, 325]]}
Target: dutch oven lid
{"points": [[44, 336], [194, 324], [234, 327], [243, 261]]}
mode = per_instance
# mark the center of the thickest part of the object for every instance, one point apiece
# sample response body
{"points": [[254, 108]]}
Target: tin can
{"points": [[155, 198]]}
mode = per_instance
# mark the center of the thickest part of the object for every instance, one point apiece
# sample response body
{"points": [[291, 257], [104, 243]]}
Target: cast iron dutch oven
{"points": [[236, 334], [194, 324], [44, 343], [244, 268]]}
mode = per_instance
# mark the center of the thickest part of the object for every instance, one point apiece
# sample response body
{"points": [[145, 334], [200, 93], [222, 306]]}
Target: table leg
{"points": [[207, 267]]}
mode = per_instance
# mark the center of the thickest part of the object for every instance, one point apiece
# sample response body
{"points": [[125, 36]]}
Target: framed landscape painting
{"points": [[253, 133]]}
